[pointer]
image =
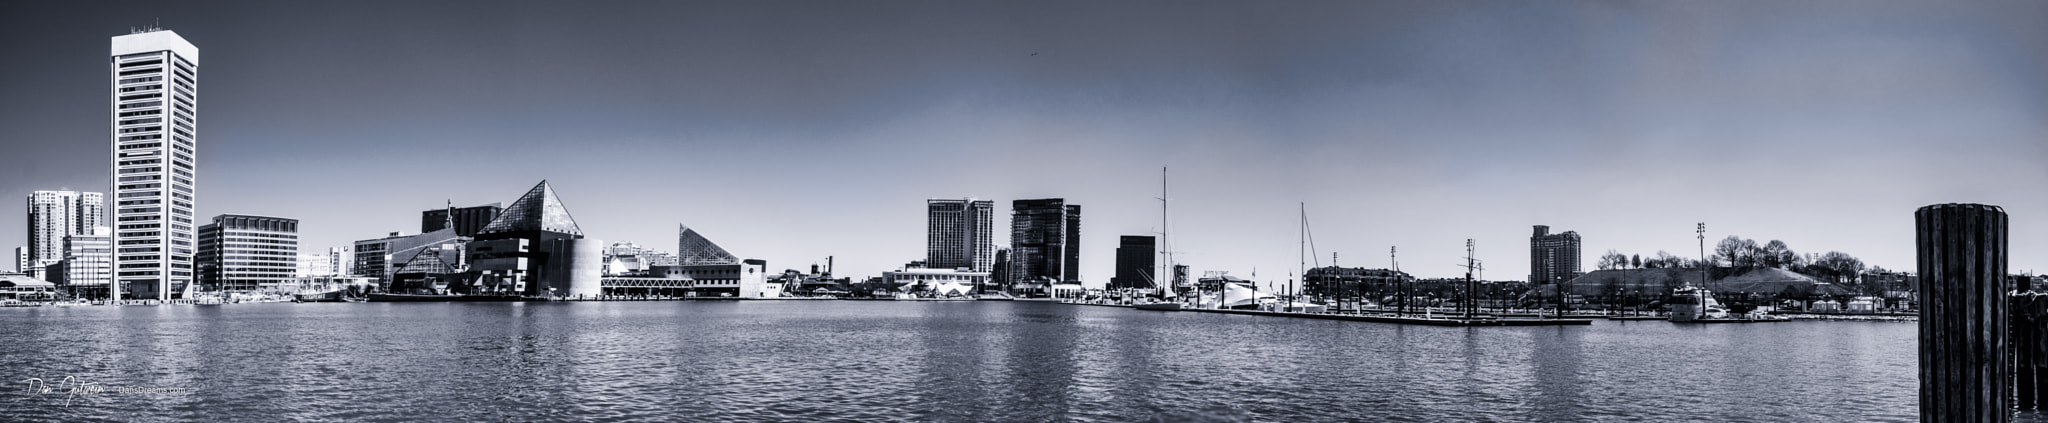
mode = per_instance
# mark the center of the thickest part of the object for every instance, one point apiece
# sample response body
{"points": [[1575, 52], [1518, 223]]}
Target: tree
{"points": [[1840, 267], [1665, 260], [1636, 261], [1738, 252], [1777, 254], [1612, 260]]}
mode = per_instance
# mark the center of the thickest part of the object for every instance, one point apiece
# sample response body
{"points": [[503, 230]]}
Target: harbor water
{"points": [[865, 361]]}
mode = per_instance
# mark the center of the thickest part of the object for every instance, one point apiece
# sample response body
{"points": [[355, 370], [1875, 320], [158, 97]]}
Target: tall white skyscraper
{"points": [[155, 100], [53, 215]]}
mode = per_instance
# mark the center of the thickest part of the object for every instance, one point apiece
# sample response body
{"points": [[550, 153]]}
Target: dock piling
{"points": [[1965, 368]]}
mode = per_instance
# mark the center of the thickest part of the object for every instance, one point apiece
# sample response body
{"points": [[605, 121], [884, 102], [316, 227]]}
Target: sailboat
{"points": [[1166, 296]]}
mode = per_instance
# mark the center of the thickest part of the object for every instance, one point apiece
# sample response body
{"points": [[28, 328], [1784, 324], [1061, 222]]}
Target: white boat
{"points": [[1693, 303]]}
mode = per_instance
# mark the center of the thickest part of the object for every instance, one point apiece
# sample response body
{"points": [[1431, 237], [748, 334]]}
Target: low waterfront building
{"points": [[746, 279], [243, 253], [379, 258], [1333, 281], [936, 281], [24, 288], [629, 259], [433, 269]]}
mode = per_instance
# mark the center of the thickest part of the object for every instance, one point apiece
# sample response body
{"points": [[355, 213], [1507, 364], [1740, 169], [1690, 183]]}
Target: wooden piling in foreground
{"points": [[1965, 372], [2029, 322]]}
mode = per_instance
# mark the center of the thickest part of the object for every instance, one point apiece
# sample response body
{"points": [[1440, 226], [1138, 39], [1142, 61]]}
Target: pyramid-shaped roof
{"points": [[693, 249], [538, 210], [428, 261]]}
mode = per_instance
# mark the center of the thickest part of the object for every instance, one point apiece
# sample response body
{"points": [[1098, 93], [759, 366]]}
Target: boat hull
{"points": [[322, 297], [1158, 306]]}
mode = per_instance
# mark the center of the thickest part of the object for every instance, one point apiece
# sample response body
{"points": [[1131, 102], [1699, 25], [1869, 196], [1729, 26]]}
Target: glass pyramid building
{"points": [[537, 211], [428, 261], [693, 249]]}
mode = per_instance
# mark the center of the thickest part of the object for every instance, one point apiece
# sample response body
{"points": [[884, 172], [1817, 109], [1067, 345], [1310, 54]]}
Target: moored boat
{"points": [[1691, 304], [334, 296], [405, 298], [1163, 306]]}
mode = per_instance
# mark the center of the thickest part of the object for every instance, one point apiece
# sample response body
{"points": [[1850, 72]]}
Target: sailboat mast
{"points": [[1164, 281]]}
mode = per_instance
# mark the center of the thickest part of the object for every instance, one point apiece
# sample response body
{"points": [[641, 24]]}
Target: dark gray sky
{"points": [[795, 130]]}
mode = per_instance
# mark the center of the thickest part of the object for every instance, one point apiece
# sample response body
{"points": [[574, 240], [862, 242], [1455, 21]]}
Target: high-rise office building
{"points": [[1135, 264], [155, 100], [241, 253], [1553, 257], [957, 234], [89, 263], [1044, 241], [467, 220], [53, 215]]}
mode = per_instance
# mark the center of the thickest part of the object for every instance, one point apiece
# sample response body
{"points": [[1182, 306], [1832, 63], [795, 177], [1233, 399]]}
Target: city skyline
{"points": [[1410, 125]]}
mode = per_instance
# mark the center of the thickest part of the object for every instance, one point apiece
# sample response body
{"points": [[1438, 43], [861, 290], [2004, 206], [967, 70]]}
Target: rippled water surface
{"points": [[924, 361]]}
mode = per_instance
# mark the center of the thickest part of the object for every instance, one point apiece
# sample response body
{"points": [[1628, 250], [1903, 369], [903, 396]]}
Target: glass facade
{"points": [[1044, 241], [692, 249]]}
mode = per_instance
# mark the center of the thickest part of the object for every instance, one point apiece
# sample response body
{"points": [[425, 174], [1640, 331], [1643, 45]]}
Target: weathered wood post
{"points": [[2029, 322], [1965, 369]]}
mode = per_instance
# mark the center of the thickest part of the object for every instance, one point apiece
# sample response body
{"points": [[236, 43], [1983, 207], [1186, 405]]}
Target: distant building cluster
{"points": [[1044, 248]]}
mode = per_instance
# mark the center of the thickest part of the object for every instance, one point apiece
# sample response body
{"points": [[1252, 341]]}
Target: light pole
{"points": [[1703, 261]]}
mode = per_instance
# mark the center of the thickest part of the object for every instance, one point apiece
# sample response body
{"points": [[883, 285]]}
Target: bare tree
{"points": [[1840, 267], [1612, 260], [1777, 254]]}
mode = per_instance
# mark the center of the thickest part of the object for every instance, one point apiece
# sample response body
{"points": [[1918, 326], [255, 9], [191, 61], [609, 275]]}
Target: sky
{"points": [[796, 130]]}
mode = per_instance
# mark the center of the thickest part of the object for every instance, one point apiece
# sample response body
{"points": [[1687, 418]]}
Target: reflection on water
{"points": [[929, 361]]}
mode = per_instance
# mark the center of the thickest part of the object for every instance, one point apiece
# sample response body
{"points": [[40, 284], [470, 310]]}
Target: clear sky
{"points": [[794, 130]]}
